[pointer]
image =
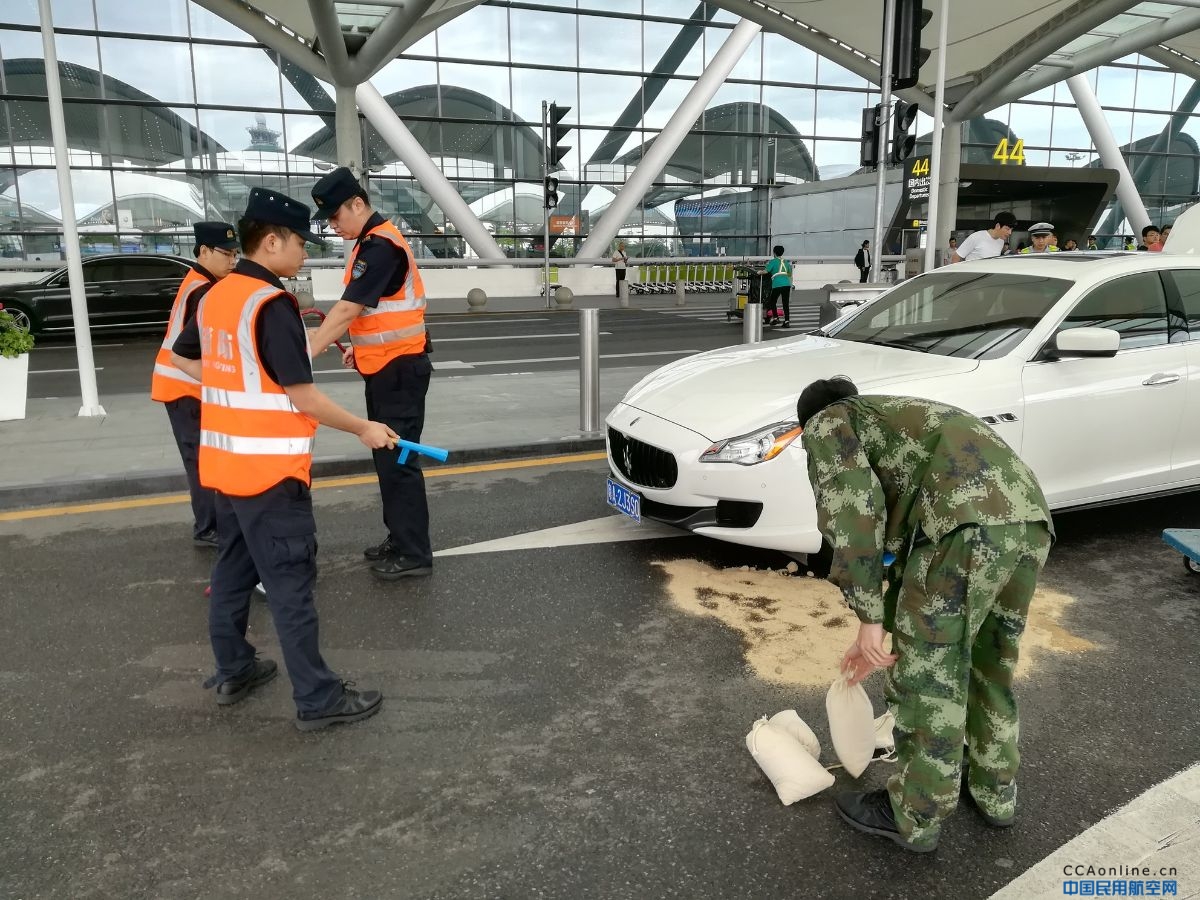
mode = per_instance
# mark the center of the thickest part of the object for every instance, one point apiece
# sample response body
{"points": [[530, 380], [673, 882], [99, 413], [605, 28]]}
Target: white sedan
{"points": [[1084, 363]]}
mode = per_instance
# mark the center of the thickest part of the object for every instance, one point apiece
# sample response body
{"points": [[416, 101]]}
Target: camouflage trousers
{"points": [[958, 617]]}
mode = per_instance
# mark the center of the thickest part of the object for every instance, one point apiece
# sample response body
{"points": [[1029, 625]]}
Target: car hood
{"points": [[731, 391]]}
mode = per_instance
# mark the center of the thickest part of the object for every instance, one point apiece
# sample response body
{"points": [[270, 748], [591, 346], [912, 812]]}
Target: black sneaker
{"points": [[236, 690], [380, 551], [787, 323], [206, 538], [352, 706], [871, 813], [396, 567]]}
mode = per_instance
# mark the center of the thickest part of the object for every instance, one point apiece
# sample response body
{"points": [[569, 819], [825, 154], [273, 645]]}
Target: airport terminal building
{"points": [[175, 109]]}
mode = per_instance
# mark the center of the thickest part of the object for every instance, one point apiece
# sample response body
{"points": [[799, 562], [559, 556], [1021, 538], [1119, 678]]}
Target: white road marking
{"points": [[607, 530], [58, 371], [512, 337], [71, 347], [1159, 830], [437, 323]]}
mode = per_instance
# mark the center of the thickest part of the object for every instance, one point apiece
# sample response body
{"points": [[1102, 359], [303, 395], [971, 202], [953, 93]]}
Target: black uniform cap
{"points": [[275, 208], [215, 234], [334, 189]]}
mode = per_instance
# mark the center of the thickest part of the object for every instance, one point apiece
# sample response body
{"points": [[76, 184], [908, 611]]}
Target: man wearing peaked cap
{"points": [[215, 252], [259, 413], [1041, 236], [383, 305]]}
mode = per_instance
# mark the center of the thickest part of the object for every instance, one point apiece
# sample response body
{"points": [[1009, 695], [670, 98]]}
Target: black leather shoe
{"points": [[352, 706], [237, 690], [871, 812], [380, 551], [206, 538], [397, 567]]}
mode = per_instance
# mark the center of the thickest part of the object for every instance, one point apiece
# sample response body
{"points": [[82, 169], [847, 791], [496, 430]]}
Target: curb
{"points": [[174, 481]]}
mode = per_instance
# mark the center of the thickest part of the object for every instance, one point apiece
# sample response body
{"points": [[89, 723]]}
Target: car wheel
{"points": [[1191, 565], [22, 317]]}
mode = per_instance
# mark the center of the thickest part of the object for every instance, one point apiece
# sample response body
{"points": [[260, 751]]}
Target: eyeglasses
{"points": [[228, 254]]}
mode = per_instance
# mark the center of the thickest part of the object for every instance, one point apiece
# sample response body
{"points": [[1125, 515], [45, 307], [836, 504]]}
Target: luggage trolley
{"points": [[747, 289], [1187, 542]]}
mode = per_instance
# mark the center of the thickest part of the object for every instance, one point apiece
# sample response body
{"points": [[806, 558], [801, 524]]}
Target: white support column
{"points": [[946, 216], [66, 196], [667, 142], [933, 217], [1110, 153], [413, 155], [347, 132]]}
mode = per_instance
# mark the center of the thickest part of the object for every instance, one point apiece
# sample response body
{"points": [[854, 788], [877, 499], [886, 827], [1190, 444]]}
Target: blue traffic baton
{"points": [[407, 447]]}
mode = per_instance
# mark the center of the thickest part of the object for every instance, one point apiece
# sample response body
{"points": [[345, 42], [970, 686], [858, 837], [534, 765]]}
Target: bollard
{"points": [[680, 290], [476, 300], [623, 293], [752, 322], [589, 371]]}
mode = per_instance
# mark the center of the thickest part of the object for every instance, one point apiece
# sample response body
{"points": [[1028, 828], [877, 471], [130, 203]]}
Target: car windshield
{"points": [[972, 315]]}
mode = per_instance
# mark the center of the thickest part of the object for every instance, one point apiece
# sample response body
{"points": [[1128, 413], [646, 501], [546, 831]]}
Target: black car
{"points": [[123, 291]]}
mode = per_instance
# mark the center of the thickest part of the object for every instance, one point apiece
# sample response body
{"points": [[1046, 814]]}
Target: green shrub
{"points": [[13, 340]]}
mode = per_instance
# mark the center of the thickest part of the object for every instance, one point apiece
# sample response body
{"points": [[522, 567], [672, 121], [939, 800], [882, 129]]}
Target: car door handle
{"points": [[1160, 378], [105, 292]]}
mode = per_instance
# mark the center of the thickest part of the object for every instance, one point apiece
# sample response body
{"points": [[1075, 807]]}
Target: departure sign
{"points": [[1004, 155], [916, 178]]}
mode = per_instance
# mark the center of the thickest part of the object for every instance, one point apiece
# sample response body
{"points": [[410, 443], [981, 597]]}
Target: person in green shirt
{"points": [[780, 271], [969, 529]]}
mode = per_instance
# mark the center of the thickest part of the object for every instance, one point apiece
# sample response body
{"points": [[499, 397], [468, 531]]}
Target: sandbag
{"points": [[791, 768], [851, 724], [884, 739], [789, 720]]}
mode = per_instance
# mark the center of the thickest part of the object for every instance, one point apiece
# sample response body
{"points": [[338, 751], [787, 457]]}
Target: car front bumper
{"points": [[769, 505]]}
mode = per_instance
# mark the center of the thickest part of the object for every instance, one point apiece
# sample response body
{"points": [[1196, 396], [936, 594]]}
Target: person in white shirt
{"points": [[948, 253], [620, 260], [989, 242]]}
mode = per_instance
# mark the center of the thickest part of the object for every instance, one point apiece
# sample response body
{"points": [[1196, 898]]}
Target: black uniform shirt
{"points": [[281, 342], [379, 269], [193, 300]]}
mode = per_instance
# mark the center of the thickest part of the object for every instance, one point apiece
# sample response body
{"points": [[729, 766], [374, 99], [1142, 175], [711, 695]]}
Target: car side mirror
{"points": [[1080, 342]]}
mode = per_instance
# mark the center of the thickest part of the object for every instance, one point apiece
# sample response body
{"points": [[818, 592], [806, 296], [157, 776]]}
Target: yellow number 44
{"points": [[920, 167], [1004, 155]]}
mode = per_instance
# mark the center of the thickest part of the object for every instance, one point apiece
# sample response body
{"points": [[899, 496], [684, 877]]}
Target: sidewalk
{"points": [[53, 456]]}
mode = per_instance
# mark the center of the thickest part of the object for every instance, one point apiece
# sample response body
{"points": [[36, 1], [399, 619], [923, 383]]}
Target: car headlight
{"points": [[754, 448]]}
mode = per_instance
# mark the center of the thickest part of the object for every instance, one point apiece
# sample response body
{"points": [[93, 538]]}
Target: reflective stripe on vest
{"points": [[169, 382], [251, 435], [396, 326]]}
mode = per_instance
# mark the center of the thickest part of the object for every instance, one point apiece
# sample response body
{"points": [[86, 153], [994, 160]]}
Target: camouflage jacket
{"points": [[887, 470]]}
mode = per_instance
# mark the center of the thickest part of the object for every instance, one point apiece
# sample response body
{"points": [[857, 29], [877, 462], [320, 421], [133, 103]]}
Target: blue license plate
{"points": [[624, 500]]}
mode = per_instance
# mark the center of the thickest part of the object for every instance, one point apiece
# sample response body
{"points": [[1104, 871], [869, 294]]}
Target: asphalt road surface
{"points": [[554, 726], [463, 345]]}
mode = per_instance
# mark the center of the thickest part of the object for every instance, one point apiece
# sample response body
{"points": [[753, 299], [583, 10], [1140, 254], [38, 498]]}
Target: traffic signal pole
{"points": [[932, 220], [545, 206], [885, 90]]}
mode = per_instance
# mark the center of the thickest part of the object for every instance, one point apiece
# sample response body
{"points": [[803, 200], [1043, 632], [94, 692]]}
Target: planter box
{"points": [[14, 386]]}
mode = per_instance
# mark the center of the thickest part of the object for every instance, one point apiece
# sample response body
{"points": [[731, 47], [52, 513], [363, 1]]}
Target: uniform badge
{"points": [[360, 266]]}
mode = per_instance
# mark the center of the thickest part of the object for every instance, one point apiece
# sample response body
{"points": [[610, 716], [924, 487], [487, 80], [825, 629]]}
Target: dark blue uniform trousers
{"points": [[396, 397], [270, 537], [184, 414]]}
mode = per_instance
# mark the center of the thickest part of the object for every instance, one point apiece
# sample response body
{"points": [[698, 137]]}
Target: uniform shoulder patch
{"points": [[359, 267]]}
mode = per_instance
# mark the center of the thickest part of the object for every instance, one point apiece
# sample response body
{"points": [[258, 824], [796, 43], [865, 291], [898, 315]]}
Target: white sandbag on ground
{"points": [[784, 760], [789, 720]]}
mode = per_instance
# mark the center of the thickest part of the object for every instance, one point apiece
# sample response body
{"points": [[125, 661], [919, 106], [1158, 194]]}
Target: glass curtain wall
{"points": [[173, 115]]}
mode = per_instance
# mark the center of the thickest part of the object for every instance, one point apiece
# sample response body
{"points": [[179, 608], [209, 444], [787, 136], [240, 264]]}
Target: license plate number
{"points": [[624, 500]]}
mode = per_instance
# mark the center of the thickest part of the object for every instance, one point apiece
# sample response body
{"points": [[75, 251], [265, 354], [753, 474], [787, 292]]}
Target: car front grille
{"points": [[643, 464]]}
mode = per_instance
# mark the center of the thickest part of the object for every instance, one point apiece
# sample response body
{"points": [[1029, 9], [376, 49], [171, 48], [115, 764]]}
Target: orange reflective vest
{"points": [[251, 436], [171, 383], [396, 327]]}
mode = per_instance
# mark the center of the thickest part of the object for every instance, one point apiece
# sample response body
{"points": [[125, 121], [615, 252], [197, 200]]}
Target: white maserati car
{"points": [[1083, 362]]}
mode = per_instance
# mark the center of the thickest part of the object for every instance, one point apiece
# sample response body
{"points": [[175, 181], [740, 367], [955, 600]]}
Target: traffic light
{"points": [[868, 153], [903, 143], [555, 132], [551, 192], [907, 54]]}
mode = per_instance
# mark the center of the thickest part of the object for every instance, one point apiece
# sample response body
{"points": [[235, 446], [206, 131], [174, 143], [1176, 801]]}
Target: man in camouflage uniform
{"points": [[970, 531]]}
